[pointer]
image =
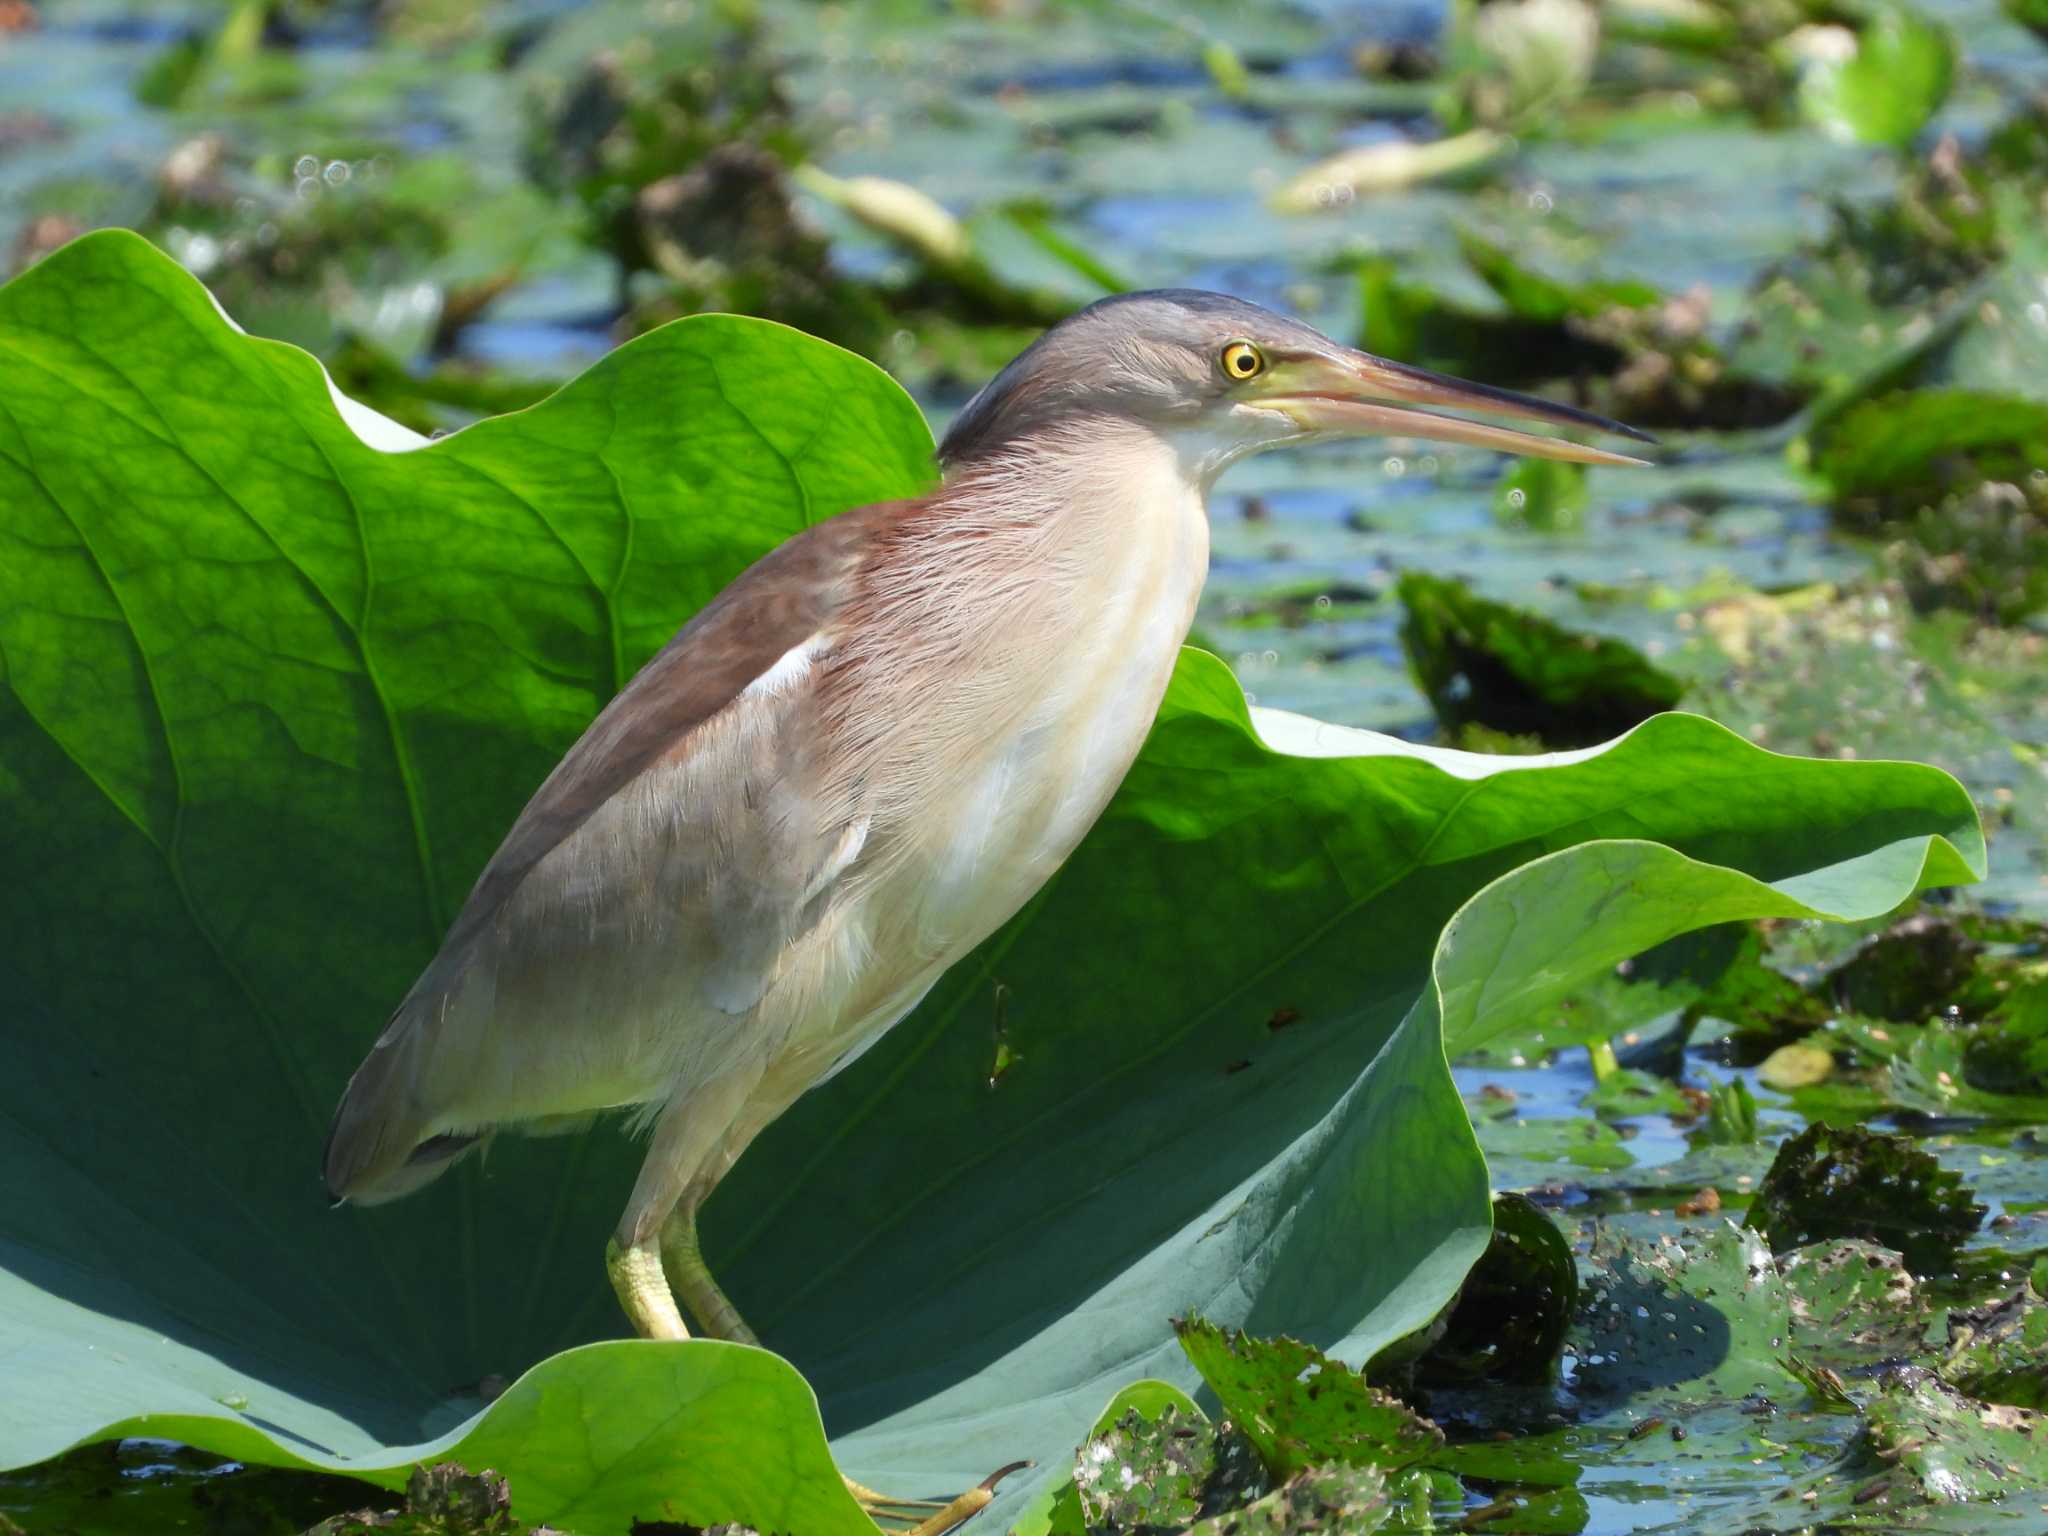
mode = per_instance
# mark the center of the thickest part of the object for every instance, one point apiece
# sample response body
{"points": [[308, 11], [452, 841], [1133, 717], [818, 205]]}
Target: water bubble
{"points": [[1518, 498], [1540, 202], [336, 173], [201, 254], [1323, 601], [1395, 468], [305, 166]]}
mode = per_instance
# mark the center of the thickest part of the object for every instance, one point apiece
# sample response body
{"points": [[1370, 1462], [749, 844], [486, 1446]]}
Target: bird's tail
{"points": [[381, 1145]]}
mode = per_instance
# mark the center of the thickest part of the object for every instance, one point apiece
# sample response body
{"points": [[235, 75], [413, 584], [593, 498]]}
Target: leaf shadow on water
{"points": [[1695, 1342]]}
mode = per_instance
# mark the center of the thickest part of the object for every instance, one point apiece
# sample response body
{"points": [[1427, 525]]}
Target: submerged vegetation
{"points": [[1759, 1236]]}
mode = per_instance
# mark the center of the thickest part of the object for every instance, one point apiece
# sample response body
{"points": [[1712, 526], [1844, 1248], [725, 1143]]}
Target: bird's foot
{"points": [[643, 1290], [929, 1517]]}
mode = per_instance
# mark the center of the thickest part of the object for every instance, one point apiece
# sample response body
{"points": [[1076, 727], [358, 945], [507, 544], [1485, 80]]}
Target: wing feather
{"points": [[675, 852]]}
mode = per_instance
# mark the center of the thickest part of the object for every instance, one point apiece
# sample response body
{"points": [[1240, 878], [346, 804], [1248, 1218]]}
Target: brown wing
{"points": [[774, 605], [659, 872]]}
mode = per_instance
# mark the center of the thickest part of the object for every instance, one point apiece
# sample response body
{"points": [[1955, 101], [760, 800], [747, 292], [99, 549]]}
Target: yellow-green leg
{"points": [[651, 1268], [643, 1290], [903, 1515], [690, 1278]]}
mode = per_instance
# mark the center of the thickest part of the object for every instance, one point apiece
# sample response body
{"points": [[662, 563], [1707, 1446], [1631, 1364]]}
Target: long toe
{"points": [[930, 1517]]}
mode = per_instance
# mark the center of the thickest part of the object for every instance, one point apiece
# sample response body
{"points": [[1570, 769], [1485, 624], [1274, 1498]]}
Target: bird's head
{"points": [[1220, 378]]}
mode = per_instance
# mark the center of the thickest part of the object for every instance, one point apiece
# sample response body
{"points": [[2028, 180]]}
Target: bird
{"points": [[855, 764]]}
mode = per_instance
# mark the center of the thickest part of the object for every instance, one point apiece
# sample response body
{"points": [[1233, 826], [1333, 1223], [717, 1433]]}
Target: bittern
{"points": [[852, 766]]}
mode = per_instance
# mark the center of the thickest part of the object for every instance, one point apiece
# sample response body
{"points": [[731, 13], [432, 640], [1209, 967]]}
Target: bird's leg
{"points": [[688, 1274], [686, 1133], [690, 1278]]}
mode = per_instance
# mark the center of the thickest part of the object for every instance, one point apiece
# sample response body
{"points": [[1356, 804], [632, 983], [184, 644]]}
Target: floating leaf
{"points": [[1998, 1352], [1796, 1066], [1701, 1318], [1853, 1302], [1932, 1445], [441, 1500], [1545, 494], [1581, 1142]]}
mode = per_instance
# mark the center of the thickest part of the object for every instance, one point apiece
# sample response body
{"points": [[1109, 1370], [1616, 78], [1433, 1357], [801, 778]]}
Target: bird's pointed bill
{"points": [[1361, 395]]}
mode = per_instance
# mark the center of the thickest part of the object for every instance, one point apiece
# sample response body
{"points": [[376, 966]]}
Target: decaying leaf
{"points": [[1842, 1181]]}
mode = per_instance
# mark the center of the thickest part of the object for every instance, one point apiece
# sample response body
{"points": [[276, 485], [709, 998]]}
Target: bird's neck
{"points": [[1082, 475]]}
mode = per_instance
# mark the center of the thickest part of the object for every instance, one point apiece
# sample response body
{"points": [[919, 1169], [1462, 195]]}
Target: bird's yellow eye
{"points": [[1242, 360]]}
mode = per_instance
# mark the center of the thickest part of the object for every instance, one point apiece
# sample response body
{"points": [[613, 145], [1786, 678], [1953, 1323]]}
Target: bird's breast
{"points": [[1045, 748]]}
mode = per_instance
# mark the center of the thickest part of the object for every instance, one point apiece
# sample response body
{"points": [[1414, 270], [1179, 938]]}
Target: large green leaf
{"points": [[270, 695]]}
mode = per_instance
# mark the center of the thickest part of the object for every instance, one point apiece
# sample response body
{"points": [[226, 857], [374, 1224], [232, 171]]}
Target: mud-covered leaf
{"points": [[1320, 1501], [1909, 971], [1908, 446], [1933, 1445], [1998, 1352], [1299, 1407], [1853, 1302], [1159, 1473], [441, 1500], [1532, 294], [1510, 1318], [1484, 663], [1057, 1510], [1843, 1181], [1761, 1005], [1949, 477]]}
